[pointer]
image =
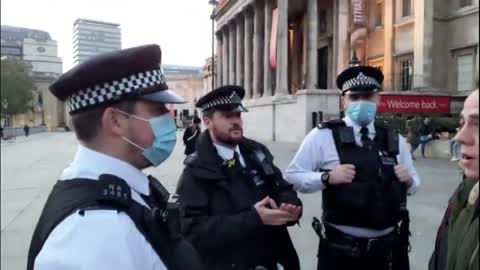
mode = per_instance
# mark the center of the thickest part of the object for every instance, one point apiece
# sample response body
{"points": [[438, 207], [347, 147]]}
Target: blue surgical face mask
{"points": [[164, 129], [362, 112]]}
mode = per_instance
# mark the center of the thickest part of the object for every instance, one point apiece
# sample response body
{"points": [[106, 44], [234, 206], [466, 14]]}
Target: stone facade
{"points": [[189, 86], [287, 54]]}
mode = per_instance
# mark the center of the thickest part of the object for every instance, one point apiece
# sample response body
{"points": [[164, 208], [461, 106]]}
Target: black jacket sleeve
{"points": [[186, 135], [284, 192], [203, 230]]}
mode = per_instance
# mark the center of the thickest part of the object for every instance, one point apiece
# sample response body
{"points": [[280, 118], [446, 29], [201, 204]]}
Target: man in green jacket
{"points": [[457, 242]]}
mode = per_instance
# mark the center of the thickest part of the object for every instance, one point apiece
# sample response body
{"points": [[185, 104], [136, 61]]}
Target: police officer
{"points": [[237, 204], [105, 213], [457, 245], [364, 170]]}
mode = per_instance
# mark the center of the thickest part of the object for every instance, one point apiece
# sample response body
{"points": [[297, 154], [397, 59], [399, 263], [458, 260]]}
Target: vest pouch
{"points": [[381, 209], [350, 201]]}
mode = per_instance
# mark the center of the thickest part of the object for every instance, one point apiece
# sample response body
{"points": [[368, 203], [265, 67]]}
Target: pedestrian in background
{"points": [[190, 136], [457, 241], [26, 129], [454, 148], [426, 134], [413, 135]]}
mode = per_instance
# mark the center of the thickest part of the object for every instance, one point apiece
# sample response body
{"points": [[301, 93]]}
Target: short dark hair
{"points": [[197, 120], [88, 124], [208, 113]]}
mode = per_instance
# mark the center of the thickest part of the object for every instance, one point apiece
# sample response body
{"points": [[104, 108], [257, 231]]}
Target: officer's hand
{"points": [[403, 175], [342, 174], [274, 216], [295, 211]]}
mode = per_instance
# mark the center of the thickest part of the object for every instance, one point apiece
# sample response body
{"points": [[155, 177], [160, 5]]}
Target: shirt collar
{"points": [[225, 152], [356, 128], [91, 164]]}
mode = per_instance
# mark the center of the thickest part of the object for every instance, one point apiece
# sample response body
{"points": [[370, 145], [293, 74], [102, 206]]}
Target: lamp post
{"points": [[5, 107], [214, 4]]}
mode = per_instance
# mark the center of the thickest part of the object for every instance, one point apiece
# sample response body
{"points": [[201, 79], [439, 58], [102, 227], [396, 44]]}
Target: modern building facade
{"points": [[287, 54], [91, 37]]}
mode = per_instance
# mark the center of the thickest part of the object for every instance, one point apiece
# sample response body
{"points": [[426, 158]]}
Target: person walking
{"points": [[191, 135], [26, 130], [413, 135], [426, 134]]}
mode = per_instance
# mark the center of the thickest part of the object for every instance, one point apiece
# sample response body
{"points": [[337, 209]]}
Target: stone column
{"points": [[296, 72], [423, 40], [248, 51], [225, 56], [258, 44], [232, 54], [267, 71], [240, 51], [388, 40], [341, 40], [312, 45], [218, 64], [282, 49]]}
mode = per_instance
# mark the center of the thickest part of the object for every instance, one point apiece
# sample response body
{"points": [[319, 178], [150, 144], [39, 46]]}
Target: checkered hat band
{"points": [[109, 91], [233, 99], [360, 80]]}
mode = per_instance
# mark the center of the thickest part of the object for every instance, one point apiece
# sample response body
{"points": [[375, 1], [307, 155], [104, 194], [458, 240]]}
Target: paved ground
{"points": [[30, 167]]}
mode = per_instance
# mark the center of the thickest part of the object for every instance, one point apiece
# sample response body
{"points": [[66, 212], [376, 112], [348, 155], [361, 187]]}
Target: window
{"points": [[379, 14], [405, 79], [465, 66], [406, 8], [465, 3]]}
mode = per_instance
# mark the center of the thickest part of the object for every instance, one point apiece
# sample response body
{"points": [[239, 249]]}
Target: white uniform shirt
{"points": [[318, 152], [100, 239], [227, 153]]}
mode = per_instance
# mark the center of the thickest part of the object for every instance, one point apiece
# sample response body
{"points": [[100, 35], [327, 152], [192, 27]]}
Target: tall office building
{"points": [[94, 37]]}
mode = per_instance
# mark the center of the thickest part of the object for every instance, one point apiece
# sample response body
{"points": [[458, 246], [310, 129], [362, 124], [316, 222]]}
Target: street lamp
{"points": [[214, 4], [5, 107]]}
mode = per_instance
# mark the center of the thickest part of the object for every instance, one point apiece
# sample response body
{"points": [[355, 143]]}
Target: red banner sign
{"points": [[414, 104], [273, 40]]}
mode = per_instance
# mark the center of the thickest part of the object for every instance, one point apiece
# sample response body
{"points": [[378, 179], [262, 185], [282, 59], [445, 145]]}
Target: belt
{"points": [[345, 244]]}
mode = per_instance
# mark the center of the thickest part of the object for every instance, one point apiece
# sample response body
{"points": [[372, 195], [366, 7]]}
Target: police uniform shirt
{"points": [[227, 153], [100, 239], [318, 152]]}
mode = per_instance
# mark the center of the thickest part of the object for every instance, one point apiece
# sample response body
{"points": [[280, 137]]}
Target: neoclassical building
{"points": [[287, 54]]}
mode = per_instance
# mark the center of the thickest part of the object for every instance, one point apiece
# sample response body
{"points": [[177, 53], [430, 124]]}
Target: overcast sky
{"points": [[181, 27]]}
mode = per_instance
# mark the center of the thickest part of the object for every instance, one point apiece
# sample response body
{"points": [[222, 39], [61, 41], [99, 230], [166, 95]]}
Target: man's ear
{"points": [[344, 103], [207, 121], [114, 123]]}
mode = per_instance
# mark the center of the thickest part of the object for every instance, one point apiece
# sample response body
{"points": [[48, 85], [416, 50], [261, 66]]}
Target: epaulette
{"points": [[381, 123], [191, 159], [331, 124]]}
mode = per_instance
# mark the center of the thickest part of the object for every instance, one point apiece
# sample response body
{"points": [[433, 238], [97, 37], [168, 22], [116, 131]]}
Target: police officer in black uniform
{"points": [[237, 204], [365, 172], [105, 213]]}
